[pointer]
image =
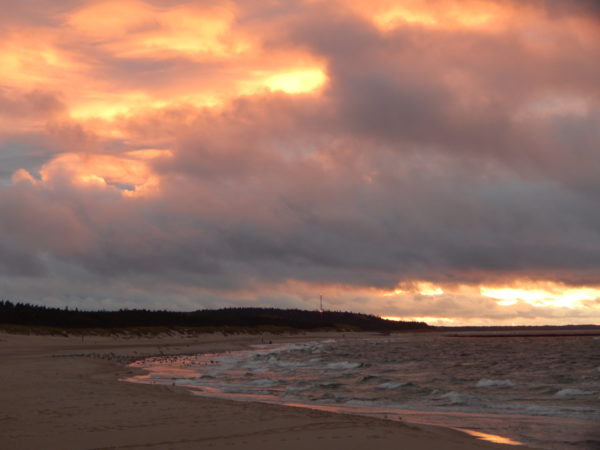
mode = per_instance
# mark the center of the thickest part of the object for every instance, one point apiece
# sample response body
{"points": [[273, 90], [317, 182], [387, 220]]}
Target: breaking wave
{"points": [[424, 379]]}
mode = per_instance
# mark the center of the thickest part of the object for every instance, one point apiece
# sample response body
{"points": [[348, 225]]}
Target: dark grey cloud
{"points": [[587, 8], [236, 207], [18, 261]]}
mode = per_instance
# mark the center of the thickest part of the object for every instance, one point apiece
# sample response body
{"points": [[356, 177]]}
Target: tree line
{"points": [[43, 316]]}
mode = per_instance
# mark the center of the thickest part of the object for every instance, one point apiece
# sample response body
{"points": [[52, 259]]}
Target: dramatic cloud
{"points": [[434, 160]]}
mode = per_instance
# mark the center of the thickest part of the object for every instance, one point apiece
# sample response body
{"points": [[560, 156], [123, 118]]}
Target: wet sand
{"points": [[65, 393]]}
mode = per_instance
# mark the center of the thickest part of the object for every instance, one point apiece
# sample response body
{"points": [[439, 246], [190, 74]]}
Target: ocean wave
{"points": [[369, 379], [330, 385], [485, 382], [457, 398], [359, 375], [549, 410], [344, 365], [291, 388], [391, 385], [286, 364], [568, 392]]}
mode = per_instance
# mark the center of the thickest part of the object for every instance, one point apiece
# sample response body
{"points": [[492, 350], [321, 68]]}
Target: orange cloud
{"points": [[129, 173], [542, 294], [138, 29], [297, 81], [78, 56], [32, 58], [417, 287], [471, 14]]}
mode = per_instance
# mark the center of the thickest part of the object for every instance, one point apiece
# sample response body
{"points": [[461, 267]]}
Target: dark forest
{"points": [[23, 314]]}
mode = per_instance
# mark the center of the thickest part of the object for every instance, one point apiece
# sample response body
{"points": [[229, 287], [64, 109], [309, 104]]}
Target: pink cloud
{"points": [[341, 146]]}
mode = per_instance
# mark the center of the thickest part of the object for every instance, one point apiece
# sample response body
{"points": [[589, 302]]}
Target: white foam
{"points": [[573, 392], [253, 366], [456, 398], [485, 382], [391, 385], [296, 388], [274, 361], [343, 365]]}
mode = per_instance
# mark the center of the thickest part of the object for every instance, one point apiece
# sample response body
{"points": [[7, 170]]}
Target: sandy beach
{"points": [[66, 393]]}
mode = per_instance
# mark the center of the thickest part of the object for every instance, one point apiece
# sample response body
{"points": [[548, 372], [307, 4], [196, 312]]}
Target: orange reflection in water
{"points": [[451, 14], [491, 437]]}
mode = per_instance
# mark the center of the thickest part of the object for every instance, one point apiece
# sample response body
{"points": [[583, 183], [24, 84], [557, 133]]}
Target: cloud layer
{"points": [[193, 154]]}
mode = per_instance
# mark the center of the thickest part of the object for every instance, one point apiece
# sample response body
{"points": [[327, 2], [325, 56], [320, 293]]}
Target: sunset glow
{"points": [[129, 173], [420, 287], [543, 294], [456, 16], [296, 82], [422, 160]]}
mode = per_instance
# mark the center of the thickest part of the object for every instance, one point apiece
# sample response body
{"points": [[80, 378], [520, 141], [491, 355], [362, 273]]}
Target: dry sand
{"points": [[65, 393]]}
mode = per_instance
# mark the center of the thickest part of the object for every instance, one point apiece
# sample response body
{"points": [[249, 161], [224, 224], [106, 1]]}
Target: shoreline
{"points": [[62, 393]]}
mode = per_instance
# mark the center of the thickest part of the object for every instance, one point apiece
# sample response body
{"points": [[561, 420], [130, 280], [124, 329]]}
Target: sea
{"points": [[541, 391]]}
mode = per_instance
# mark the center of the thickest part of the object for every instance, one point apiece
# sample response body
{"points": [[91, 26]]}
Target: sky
{"points": [[430, 160]]}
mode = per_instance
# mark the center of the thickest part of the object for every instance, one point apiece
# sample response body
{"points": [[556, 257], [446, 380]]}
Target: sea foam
{"points": [[391, 385], [573, 392], [344, 365]]}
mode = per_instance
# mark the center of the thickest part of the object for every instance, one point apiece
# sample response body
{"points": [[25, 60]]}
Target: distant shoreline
{"points": [[530, 334], [23, 318], [162, 331], [523, 331]]}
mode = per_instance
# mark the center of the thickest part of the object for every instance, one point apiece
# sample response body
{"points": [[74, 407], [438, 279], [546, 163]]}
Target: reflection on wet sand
{"points": [[491, 437]]}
